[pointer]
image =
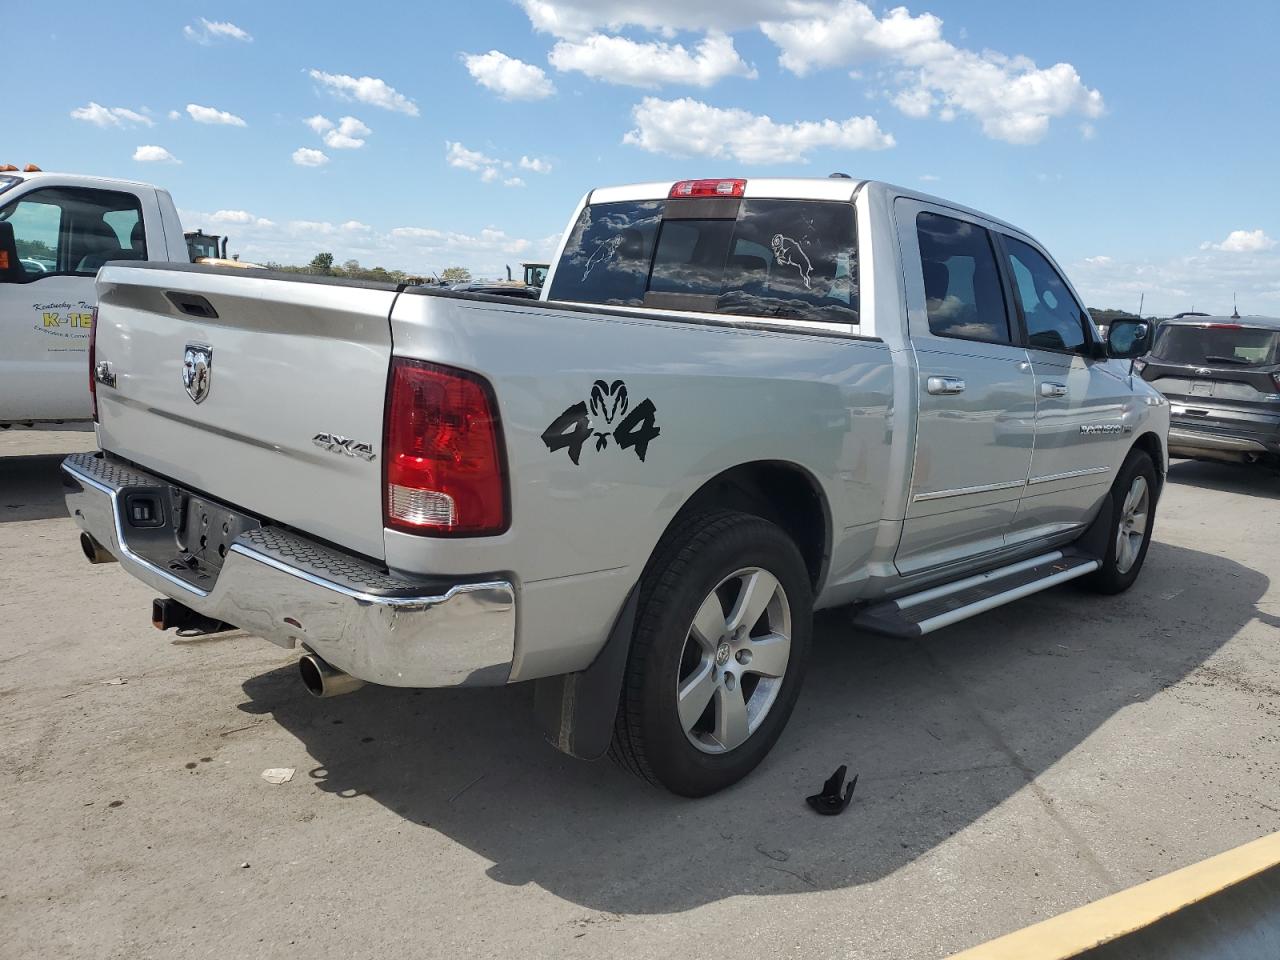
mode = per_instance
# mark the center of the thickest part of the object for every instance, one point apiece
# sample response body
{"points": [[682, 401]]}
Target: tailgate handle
{"points": [[193, 305]]}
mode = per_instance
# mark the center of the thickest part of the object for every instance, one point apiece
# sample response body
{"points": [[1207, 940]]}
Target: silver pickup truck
{"points": [[737, 402]]}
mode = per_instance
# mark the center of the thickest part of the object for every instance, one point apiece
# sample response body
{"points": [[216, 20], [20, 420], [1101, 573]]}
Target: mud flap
{"points": [[576, 710]]}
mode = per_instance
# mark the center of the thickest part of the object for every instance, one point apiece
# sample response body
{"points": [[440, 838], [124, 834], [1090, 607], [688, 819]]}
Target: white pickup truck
{"points": [[738, 402], [56, 230]]}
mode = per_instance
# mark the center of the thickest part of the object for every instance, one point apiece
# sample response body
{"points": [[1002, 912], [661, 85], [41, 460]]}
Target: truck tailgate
{"points": [[288, 363]]}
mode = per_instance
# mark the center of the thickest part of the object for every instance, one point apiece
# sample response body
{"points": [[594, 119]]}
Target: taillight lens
{"points": [[443, 470], [707, 188], [93, 362], [1139, 366], [1276, 378]]}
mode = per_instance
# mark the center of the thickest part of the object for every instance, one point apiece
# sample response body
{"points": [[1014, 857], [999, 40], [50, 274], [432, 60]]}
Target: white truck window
{"points": [[65, 231], [963, 293]]}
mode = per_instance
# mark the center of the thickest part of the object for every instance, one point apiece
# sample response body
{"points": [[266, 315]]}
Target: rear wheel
{"points": [[1133, 499], [718, 655]]}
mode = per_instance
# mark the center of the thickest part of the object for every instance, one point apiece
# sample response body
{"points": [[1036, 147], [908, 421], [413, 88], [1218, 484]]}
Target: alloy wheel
{"points": [[733, 663]]}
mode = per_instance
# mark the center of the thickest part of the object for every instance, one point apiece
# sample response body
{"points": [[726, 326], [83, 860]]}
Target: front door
{"points": [[53, 240], [976, 425], [1081, 428]]}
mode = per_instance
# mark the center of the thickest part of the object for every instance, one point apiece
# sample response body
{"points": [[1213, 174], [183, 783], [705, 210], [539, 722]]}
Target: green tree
{"points": [[455, 274], [322, 263]]}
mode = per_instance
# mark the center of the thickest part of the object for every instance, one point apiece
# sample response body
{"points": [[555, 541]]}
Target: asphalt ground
{"points": [[1010, 767]]}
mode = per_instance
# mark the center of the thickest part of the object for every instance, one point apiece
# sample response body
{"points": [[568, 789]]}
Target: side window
{"points": [[963, 293], [1054, 320], [71, 232]]}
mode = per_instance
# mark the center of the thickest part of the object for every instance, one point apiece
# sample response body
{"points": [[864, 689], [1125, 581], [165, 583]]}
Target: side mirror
{"points": [[1127, 339]]}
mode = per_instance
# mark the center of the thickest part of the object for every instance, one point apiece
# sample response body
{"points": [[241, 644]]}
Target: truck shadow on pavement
{"points": [[1256, 480], [31, 487], [941, 731]]}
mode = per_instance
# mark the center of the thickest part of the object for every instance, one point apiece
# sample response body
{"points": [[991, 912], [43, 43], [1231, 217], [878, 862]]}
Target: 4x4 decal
{"points": [[608, 401]]}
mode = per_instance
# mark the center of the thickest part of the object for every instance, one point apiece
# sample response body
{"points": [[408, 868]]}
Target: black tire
{"points": [[688, 564], [1114, 576]]}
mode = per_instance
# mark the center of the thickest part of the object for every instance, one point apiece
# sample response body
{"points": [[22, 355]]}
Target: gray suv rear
{"points": [[1222, 378]]}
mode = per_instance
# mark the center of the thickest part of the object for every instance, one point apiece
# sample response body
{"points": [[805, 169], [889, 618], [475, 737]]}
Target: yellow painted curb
{"points": [[1102, 921]]}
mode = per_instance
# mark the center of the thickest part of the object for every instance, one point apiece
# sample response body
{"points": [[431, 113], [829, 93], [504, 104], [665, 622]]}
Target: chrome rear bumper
{"points": [[288, 589]]}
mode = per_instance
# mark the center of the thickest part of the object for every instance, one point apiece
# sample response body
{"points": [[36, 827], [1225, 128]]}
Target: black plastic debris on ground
{"points": [[830, 802]]}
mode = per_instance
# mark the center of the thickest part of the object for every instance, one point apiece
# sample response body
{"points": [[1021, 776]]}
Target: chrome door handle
{"points": [[944, 385], [1050, 389]]}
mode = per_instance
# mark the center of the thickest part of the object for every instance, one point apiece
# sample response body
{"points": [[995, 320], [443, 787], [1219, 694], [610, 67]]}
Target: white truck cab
{"points": [[56, 230]]}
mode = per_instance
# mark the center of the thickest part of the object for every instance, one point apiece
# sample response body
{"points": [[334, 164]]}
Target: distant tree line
{"points": [[322, 265]]}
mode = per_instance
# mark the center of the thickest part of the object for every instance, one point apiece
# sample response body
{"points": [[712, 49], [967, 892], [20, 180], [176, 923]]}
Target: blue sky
{"points": [[1138, 141]]}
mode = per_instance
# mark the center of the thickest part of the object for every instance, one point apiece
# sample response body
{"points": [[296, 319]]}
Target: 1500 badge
{"points": [[608, 402]]}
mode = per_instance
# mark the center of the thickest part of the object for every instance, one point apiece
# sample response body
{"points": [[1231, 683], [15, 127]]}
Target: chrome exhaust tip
{"points": [[95, 552], [325, 680]]}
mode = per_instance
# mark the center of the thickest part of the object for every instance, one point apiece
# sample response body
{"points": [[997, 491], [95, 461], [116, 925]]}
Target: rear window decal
{"points": [[589, 418], [603, 252], [789, 253]]}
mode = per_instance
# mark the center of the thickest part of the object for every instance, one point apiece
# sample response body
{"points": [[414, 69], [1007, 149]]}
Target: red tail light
{"points": [[443, 464], [707, 188], [93, 362]]}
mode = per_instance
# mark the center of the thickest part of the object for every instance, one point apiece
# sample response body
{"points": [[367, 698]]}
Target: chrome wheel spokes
{"points": [[733, 663], [1132, 530]]}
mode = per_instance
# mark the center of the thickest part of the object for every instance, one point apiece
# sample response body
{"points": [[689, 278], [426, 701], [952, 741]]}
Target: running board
{"points": [[919, 613]]}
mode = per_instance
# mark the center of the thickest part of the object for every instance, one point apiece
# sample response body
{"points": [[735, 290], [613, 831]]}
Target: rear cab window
{"points": [[753, 258]]}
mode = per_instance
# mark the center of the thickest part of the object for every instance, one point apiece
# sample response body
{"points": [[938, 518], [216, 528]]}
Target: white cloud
{"points": [[459, 156], [210, 115], [508, 77], [370, 90], [578, 18], [206, 31], [689, 127], [622, 61], [930, 177], [1011, 97], [348, 135], [355, 226], [239, 217], [491, 169], [175, 115], [319, 124], [306, 157], [535, 164], [150, 153], [1207, 280], [101, 116], [848, 33], [1242, 241]]}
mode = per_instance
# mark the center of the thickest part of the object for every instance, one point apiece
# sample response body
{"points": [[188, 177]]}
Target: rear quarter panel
{"points": [[724, 394]]}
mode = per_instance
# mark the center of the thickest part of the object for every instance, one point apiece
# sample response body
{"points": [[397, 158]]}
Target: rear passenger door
{"points": [[1081, 435], [976, 423]]}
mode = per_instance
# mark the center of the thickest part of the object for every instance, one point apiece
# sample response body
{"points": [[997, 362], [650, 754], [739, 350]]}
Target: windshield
{"points": [[1219, 344]]}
